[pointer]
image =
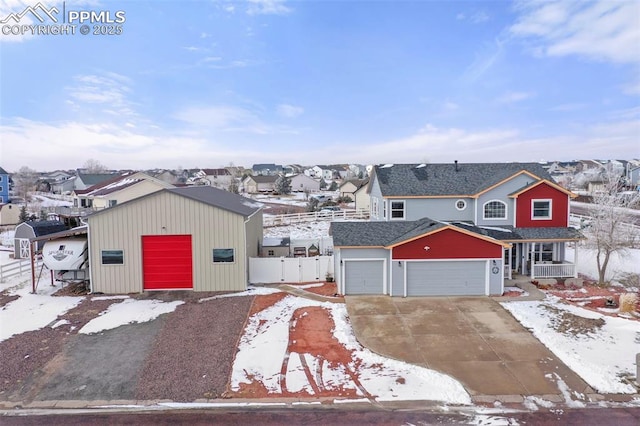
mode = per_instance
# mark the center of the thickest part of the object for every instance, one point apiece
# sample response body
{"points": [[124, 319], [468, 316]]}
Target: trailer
{"points": [[68, 257]]}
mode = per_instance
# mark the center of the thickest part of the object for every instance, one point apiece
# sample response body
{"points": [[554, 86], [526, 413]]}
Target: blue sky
{"points": [[208, 83]]}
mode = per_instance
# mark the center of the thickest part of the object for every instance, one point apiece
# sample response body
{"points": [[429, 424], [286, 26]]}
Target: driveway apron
{"points": [[472, 339]]}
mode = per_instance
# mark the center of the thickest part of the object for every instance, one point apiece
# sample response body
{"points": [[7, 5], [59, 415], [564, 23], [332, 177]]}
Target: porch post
{"points": [[575, 260], [532, 257], [509, 262]]}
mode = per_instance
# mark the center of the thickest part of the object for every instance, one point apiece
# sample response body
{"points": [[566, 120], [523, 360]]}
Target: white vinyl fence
{"points": [[264, 270], [17, 267]]}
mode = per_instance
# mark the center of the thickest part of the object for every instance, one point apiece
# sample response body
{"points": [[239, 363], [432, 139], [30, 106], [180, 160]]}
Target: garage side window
{"points": [[224, 255], [112, 257]]}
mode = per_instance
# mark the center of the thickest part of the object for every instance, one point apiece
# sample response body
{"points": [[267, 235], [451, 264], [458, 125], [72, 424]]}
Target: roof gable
{"points": [[542, 182], [392, 234]]}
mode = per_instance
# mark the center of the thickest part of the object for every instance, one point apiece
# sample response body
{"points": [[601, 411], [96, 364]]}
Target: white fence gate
{"points": [[264, 270]]}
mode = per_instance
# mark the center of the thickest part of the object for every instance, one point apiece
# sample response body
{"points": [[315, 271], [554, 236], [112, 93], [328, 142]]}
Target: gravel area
{"points": [[24, 357], [193, 354]]}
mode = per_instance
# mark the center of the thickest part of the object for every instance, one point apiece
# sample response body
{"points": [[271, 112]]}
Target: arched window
{"points": [[495, 209]]}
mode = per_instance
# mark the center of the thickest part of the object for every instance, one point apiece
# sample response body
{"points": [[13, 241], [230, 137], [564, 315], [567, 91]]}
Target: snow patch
{"points": [[127, 312]]}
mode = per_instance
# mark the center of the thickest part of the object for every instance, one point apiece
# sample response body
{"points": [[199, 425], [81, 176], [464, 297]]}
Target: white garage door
{"points": [[447, 278], [364, 277]]}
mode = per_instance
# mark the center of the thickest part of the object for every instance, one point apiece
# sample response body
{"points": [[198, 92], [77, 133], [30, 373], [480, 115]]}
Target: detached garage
{"points": [[417, 258], [195, 238]]}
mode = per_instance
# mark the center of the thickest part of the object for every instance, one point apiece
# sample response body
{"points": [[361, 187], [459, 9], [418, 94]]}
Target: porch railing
{"points": [[553, 270]]}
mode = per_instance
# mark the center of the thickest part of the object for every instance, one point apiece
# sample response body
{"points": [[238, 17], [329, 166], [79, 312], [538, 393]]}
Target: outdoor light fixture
{"points": [[399, 263]]}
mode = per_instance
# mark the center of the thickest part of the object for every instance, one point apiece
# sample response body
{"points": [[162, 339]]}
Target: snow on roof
{"points": [[495, 228], [386, 166], [419, 166]]}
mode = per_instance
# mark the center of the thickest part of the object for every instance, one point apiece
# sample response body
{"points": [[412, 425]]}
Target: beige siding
{"points": [[169, 214], [127, 194]]}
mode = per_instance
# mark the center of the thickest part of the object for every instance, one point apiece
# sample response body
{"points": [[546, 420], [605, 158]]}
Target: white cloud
{"points": [[512, 97], [267, 7], [290, 111], [602, 31], [450, 106], [615, 139], [229, 119], [108, 91], [484, 60]]}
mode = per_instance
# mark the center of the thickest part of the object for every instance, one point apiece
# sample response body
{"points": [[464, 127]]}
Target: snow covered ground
{"points": [[602, 351], [389, 380], [619, 264], [601, 356]]}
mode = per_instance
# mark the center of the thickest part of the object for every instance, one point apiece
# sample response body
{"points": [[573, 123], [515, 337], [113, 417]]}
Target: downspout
{"points": [[246, 254], [89, 257]]}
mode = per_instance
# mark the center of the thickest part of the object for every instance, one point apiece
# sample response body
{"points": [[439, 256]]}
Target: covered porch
{"points": [[539, 260]]}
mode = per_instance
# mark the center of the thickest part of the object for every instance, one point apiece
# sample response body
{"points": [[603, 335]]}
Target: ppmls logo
{"points": [[33, 10], [53, 21]]}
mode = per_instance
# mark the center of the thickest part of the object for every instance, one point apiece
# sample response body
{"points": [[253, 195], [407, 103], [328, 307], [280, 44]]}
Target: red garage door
{"points": [[166, 262]]}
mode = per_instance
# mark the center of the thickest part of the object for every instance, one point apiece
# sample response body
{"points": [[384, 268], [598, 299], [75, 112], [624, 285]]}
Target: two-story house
{"points": [[455, 229], [4, 186]]}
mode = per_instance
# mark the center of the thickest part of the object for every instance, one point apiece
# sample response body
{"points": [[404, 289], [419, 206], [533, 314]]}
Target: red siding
{"points": [[559, 208], [166, 262], [448, 244]]}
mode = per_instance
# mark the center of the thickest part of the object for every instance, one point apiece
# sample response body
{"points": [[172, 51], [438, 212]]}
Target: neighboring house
{"points": [[9, 214], [498, 218], [197, 238], [633, 178], [362, 198], [87, 180], [64, 186], [276, 247], [118, 190], [320, 172], [218, 178], [302, 182], [596, 186], [4, 186], [266, 169], [33, 229], [256, 184], [348, 188]]}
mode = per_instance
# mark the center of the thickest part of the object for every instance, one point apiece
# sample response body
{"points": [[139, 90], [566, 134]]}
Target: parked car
{"points": [[328, 210]]}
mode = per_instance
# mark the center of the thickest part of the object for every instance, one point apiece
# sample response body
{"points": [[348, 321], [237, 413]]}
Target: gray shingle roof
{"points": [[383, 234], [537, 234], [379, 234], [96, 178], [219, 198], [447, 179], [3, 171]]}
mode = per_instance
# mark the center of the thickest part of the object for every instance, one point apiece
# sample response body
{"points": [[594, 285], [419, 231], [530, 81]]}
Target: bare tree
{"points": [[610, 231], [94, 166], [25, 181]]}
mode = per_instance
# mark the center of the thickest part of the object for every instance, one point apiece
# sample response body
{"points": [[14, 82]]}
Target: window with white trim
{"points": [[543, 252], [540, 209], [461, 205], [495, 209], [397, 209]]}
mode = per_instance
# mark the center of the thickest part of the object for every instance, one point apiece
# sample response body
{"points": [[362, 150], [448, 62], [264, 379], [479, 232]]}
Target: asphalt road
{"points": [[331, 416]]}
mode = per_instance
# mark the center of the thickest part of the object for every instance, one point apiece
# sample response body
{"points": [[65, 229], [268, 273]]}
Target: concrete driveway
{"points": [[473, 339]]}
